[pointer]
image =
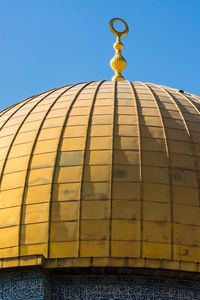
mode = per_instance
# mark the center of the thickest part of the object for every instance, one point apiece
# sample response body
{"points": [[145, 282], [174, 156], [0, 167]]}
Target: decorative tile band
{"points": [[123, 287], [38, 284], [24, 285]]}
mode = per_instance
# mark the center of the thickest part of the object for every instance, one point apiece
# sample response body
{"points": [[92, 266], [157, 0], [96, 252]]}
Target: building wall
{"points": [[123, 288], [37, 284], [24, 284]]}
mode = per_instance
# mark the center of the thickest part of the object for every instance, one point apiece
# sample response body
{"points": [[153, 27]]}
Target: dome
{"points": [[102, 174]]}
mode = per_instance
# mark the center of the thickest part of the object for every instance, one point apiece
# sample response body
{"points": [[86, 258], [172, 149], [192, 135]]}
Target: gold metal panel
{"points": [[79, 111], [64, 211], [90, 230], [180, 147], [186, 235], [148, 111], [177, 134], [126, 173], [30, 126], [63, 249], [125, 110], [102, 119], [97, 173], [170, 123], [9, 252], [20, 150], [25, 137], [125, 230], [8, 130], [98, 157], [35, 213], [77, 120], [186, 253], [124, 157], [159, 232], [66, 191], [41, 107], [52, 122], [150, 158], [10, 198], [126, 209], [96, 190], [72, 144], [94, 248], [49, 133], [63, 231], [150, 103], [126, 143], [32, 249], [185, 195], [3, 152], [150, 121], [14, 121], [13, 180], [152, 144], [182, 161], [37, 193], [9, 236], [126, 130], [5, 141], [34, 233], [126, 120], [157, 250], [151, 132], [46, 146], [40, 176], [159, 212], [68, 174], [9, 216], [186, 214], [71, 158], [156, 192], [74, 131], [54, 113], [101, 130], [16, 164], [155, 174], [125, 249], [181, 176], [100, 143], [44, 160], [83, 103], [126, 191], [95, 210], [99, 109]]}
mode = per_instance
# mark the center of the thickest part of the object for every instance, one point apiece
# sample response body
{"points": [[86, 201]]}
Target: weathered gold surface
{"points": [[118, 62], [108, 170]]}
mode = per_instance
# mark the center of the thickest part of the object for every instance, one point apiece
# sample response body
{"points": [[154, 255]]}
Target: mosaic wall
{"points": [[24, 285], [123, 287], [35, 285]]}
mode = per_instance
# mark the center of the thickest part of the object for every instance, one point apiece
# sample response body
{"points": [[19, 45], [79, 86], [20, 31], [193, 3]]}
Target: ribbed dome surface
{"points": [[102, 170]]}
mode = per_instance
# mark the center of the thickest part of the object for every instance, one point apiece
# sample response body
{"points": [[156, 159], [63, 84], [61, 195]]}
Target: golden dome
{"points": [[103, 174]]}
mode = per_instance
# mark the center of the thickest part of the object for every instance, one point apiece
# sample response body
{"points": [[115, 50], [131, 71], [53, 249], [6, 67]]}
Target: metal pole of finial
{"points": [[118, 62]]}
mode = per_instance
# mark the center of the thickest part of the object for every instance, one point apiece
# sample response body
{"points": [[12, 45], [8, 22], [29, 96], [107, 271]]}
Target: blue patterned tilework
{"points": [[23, 285], [35, 285], [123, 287]]}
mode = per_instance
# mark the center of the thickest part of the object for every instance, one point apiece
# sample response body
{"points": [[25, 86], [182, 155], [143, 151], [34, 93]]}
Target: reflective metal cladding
{"points": [[108, 170]]}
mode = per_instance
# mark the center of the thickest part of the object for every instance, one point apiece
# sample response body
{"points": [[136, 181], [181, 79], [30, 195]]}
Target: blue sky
{"points": [[50, 43]]}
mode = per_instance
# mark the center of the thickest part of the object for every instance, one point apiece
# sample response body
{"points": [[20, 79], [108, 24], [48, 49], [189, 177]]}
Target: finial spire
{"points": [[118, 62]]}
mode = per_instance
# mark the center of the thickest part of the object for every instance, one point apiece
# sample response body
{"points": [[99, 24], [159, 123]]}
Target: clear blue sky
{"points": [[50, 43]]}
